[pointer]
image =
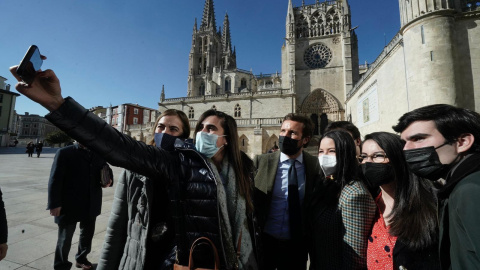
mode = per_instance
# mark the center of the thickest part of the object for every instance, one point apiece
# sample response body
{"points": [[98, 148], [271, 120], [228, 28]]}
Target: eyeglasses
{"points": [[376, 158]]}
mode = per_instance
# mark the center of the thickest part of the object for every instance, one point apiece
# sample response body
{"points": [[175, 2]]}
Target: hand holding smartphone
{"points": [[31, 63]]}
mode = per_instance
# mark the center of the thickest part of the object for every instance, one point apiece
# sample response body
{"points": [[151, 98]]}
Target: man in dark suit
{"points": [[443, 142], [283, 182], [75, 195]]}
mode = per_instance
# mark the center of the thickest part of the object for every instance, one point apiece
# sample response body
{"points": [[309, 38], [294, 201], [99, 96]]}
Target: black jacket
{"points": [[3, 222], [74, 184], [185, 173], [459, 214], [406, 258]]}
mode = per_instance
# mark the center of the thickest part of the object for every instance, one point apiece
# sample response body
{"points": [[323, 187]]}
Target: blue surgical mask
{"points": [[206, 143]]}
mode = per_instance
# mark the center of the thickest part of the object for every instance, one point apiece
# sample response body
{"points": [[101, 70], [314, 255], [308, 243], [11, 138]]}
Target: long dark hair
{"points": [[414, 214], [345, 153], [242, 165]]}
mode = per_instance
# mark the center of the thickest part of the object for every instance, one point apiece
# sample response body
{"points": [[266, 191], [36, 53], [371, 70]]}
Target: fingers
{"points": [[13, 70]]}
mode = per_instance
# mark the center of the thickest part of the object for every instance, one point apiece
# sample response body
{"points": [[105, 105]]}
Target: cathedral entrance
{"points": [[322, 107]]}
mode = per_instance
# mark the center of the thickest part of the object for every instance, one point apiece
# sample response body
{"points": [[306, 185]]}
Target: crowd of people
{"points": [[389, 201]]}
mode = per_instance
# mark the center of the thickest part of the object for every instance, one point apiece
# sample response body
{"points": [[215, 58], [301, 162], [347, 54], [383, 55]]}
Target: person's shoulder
{"points": [[468, 187]]}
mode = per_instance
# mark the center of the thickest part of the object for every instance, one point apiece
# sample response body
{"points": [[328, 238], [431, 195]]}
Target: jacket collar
{"points": [[467, 166]]}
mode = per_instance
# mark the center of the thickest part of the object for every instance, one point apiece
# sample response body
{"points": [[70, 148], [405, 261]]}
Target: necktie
{"points": [[294, 202]]}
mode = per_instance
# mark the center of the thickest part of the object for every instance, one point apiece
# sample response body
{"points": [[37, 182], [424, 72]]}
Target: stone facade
{"points": [[434, 58]]}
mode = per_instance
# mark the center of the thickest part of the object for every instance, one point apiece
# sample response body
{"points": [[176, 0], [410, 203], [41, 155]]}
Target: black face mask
{"points": [[425, 163], [378, 174], [165, 141], [288, 146]]}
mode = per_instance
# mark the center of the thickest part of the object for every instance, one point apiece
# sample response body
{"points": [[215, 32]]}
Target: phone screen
{"points": [[31, 63]]}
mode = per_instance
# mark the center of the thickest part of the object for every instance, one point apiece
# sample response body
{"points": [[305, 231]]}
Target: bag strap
{"points": [[239, 245], [214, 249]]}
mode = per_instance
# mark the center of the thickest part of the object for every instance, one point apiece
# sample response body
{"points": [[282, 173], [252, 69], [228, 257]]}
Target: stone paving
{"points": [[32, 234]]}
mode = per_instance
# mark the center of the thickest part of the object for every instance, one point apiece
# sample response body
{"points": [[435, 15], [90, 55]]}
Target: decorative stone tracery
{"points": [[320, 101]]}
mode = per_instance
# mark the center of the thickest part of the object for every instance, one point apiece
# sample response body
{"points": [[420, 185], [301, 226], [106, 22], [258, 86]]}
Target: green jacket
{"points": [[459, 217]]}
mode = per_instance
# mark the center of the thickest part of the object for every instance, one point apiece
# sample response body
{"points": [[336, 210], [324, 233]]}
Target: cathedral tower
{"points": [[428, 29], [320, 57], [211, 53]]}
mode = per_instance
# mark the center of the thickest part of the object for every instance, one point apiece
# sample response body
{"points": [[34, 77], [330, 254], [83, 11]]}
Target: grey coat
{"points": [[125, 244]]}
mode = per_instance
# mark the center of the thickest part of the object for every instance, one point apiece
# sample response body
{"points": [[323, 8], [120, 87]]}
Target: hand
{"points": [[55, 211], [3, 250], [45, 88]]}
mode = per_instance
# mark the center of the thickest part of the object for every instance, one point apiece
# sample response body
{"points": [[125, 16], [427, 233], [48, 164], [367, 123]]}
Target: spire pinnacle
{"points": [[208, 20]]}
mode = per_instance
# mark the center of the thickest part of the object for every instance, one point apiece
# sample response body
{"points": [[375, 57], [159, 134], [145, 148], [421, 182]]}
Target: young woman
{"points": [[404, 235], [342, 210], [146, 244]]}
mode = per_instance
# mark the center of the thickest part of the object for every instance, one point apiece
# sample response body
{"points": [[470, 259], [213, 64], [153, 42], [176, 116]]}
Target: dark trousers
{"points": [[284, 254], [64, 242]]}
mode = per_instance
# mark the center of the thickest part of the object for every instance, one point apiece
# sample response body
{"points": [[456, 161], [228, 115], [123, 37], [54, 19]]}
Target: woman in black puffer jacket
{"points": [[209, 190]]}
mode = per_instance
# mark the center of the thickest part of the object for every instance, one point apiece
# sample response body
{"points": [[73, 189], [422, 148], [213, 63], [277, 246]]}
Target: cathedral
{"points": [[431, 60]]}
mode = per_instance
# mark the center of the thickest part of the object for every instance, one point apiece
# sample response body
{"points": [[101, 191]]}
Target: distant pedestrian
{"points": [[39, 148], [30, 148], [3, 229], [15, 142], [75, 195]]}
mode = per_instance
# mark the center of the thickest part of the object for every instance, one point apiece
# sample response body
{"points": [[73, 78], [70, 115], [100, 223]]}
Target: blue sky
{"points": [[113, 52]]}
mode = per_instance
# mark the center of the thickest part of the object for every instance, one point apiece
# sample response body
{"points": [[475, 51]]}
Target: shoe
{"points": [[86, 265]]}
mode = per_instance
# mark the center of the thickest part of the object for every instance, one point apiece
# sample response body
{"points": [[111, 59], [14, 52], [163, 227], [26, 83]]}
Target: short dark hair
{"points": [[344, 125], [307, 123], [450, 121]]}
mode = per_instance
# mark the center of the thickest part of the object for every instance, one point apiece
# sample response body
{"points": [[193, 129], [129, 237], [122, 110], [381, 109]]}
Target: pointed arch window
{"points": [[238, 111], [228, 85], [201, 91], [243, 84], [191, 113]]}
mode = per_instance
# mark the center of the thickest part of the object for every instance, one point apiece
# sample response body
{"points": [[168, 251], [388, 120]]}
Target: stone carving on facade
{"points": [[320, 101]]}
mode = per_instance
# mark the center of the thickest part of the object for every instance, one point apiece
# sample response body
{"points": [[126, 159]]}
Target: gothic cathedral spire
{"points": [[208, 20]]}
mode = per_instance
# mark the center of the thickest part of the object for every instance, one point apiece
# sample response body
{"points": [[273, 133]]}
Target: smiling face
{"points": [[372, 150], [170, 124], [424, 134], [327, 147]]}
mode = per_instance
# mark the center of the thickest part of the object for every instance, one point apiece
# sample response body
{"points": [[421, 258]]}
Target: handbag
{"points": [[106, 175], [191, 266]]}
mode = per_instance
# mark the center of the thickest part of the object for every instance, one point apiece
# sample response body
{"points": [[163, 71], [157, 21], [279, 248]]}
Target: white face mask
{"points": [[328, 164]]}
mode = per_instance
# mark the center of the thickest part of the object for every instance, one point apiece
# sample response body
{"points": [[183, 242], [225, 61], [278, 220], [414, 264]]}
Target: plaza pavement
{"points": [[32, 234]]}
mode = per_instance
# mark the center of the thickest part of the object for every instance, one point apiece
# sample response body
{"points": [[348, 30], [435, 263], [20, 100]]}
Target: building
{"points": [[7, 114], [33, 128], [131, 119], [433, 59]]}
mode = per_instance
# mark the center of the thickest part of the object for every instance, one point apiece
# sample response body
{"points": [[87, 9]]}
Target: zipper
{"points": [[218, 204]]}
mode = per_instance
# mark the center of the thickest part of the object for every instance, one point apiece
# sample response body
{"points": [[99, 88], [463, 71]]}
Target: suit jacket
{"points": [[74, 184], [3, 222], [267, 165], [459, 216]]}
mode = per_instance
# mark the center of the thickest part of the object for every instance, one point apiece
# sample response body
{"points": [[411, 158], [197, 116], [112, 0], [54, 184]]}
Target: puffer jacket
{"points": [[186, 174]]}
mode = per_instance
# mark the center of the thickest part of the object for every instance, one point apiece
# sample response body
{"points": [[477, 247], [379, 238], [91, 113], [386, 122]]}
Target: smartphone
{"points": [[31, 63]]}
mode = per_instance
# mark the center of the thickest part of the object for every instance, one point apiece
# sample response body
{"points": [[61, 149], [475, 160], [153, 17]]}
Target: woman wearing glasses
{"points": [[404, 234], [341, 212]]}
